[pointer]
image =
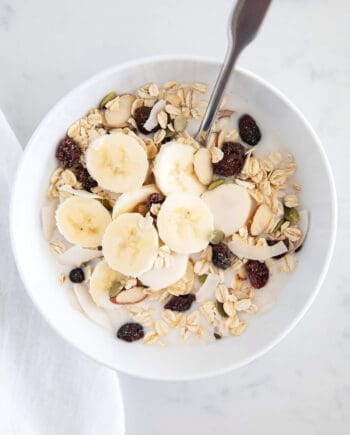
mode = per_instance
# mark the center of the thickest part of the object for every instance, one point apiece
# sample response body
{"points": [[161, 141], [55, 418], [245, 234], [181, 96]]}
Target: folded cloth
{"points": [[46, 386]]}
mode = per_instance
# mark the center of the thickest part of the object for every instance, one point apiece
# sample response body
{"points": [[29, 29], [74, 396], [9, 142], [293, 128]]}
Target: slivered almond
{"points": [[261, 220], [131, 296]]}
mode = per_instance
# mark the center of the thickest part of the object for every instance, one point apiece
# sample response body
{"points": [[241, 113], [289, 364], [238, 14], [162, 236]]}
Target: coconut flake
{"points": [[48, 219], [76, 255], [77, 192], [243, 250], [152, 120], [93, 312], [207, 290]]}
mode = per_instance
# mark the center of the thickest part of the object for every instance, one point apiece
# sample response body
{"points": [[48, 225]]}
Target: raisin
{"points": [[130, 332], [154, 198], [180, 303], [233, 160], [68, 152], [249, 130], [77, 275], [258, 273], [273, 242], [84, 177], [141, 115], [221, 256], [298, 248]]}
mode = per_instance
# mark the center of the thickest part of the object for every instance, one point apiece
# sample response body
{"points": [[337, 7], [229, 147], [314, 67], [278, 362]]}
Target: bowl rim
{"points": [[333, 202]]}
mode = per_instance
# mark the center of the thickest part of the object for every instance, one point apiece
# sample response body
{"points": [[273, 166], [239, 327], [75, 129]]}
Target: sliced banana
{"points": [[174, 170], [127, 202], [102, 279], [82, 221], [185, 223], [203, 166], [158, 279], [130, 244], [231, 206], [117, 162]]}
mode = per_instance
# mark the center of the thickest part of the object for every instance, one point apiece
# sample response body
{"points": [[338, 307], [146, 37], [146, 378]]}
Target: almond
{"points": [[131, 296], [119, 111], [261, 220]]}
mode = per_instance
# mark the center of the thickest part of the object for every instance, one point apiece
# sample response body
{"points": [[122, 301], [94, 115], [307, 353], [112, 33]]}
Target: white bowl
{"points": [[38, 269]]}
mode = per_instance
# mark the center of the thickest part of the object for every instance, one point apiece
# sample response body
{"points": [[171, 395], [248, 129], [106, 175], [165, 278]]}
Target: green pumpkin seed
{"points": [[278, 225], [220, 307], [116, 288], [180, 123], [105, 202], [106, 99], [169, 133], [84, 264], [202, 278], [213, 185], [291, 215], [216, 237]]}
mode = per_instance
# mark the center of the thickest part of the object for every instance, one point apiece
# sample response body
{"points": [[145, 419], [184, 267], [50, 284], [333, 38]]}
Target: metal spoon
{"points": [[243, 25]]}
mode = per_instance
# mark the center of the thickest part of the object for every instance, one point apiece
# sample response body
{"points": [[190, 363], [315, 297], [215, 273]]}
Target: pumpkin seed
{"points": [[220, 307], [213, 185], [169, 133], [216, 237], [106, 99], [291, 215], [278, 225], [180, 123], [116, 288], [202, 278], [105, 202]]}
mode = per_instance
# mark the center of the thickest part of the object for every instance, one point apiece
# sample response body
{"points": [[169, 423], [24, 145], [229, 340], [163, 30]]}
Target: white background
{"points": [[47, 47]]}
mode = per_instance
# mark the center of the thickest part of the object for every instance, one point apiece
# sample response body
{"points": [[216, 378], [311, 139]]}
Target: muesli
{"points": [[156, 235]]}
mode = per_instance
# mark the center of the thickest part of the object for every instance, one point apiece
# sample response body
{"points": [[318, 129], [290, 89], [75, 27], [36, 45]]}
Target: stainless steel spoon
{"points": [[243, 25]]}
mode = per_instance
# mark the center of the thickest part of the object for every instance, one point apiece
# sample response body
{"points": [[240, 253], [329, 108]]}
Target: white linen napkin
{"points": [[46, 386]]}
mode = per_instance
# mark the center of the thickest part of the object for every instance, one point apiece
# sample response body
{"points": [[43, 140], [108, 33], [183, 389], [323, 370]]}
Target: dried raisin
{"points": [[221, 256], [130, 332], [258, 273], [68, 152], [249, 130], [84, 177], [233, 160], [141, 115], [77, 275], [154, 198], [180, 303]]}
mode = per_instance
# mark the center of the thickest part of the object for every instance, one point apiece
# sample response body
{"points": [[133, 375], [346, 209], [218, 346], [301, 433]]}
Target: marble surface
{"points": [[303, 385]]}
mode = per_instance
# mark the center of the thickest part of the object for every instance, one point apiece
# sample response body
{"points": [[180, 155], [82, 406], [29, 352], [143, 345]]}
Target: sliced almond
{"points": [[261, 220], [131, 296], [119, 111], [202, 165]]}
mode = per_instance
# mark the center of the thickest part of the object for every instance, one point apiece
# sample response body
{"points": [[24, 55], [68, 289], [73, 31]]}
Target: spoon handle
{"points": [[243, 25]]}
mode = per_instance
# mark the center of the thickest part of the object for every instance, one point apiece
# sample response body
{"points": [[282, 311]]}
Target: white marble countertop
{"points": [[303, 385]]}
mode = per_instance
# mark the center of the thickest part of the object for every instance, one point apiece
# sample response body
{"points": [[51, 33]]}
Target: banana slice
{"points": [[185, 223], [158, 279], [101, 281], [231, 206], [117, 162], [174, 171], [82, 221], [130, 244], [127, 202]]}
